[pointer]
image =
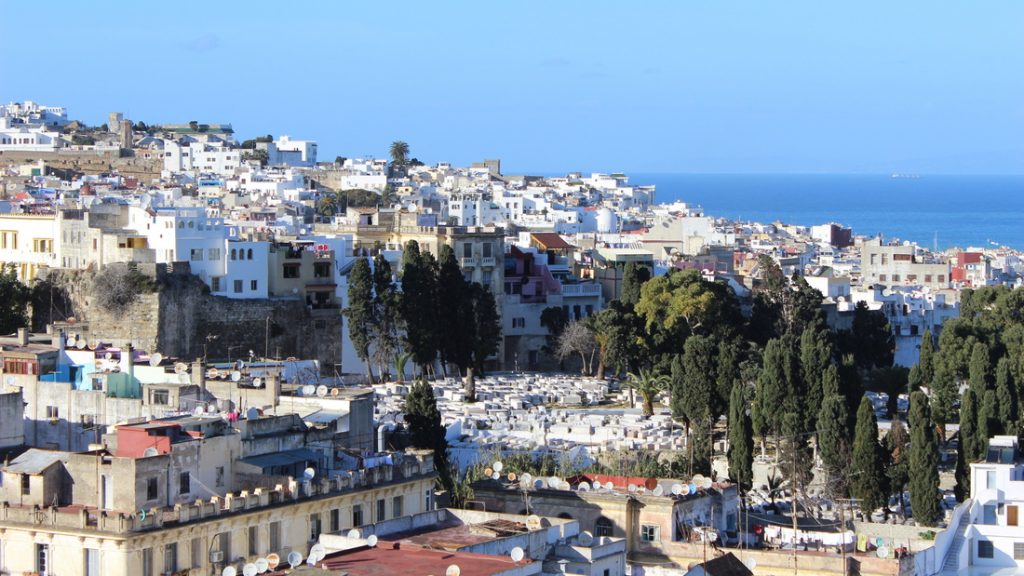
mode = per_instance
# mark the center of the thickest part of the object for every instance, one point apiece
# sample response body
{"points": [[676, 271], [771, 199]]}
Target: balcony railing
{"points": [[581, 289]]}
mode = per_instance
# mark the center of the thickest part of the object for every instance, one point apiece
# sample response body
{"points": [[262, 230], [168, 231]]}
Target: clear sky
{"points": [[550, 86]]}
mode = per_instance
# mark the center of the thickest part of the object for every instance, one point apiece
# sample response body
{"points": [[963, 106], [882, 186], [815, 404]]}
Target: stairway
{"points": [[952, 561]]}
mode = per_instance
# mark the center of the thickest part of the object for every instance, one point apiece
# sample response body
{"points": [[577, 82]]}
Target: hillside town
{"points": [[231, 356]]}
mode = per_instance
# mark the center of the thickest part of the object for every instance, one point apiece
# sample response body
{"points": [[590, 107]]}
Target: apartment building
{"points": [[900, 265]]}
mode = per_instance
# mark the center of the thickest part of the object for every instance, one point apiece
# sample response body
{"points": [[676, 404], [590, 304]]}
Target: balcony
{"points": [[581, 290], [467, 262], [488, 262]]}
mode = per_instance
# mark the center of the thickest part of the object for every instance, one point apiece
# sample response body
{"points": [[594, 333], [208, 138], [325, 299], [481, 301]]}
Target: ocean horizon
{"points": [[940, 211]]}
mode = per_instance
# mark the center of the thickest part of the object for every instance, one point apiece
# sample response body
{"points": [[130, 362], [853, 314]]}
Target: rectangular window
{"points": [[42, 558], [985, 549], [881, 277], [942, 278], [1018, 550], [990, 479], [488, 278], [184, 485], [290, 270], [92, 562], [26, 484], [487, 249], [895, 277], [151, 489], [238, 286], [171, 557], [467, 250], [213, 254], [52, 413], [428, 500], [275, 537], [197, 254], [381, 510], [215, 284], [928, 278], [322, 270], [147, 562], [357, 515], [396, 506], [220, 476], [254, 541], [197, 553], [314, 527], [252, 285], [649, 533], [335, 520], [161, 397]]}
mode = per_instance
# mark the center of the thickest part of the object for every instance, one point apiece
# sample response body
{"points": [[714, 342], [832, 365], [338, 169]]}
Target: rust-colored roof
{"points": [[551, 241], [389, 559]]}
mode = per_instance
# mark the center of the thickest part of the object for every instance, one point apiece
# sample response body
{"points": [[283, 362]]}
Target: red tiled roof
{"points": [[388, 559], [550, 240]]}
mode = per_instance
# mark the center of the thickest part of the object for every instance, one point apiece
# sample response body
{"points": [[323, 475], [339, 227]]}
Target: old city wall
{"points": [[144, 169], [183, 320]]}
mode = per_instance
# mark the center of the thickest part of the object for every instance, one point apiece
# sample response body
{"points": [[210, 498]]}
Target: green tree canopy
{"points": [[868, 480], [14, 299], [360, 312], [924, 462]]}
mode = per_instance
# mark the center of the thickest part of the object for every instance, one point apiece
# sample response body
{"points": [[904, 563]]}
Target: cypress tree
{"points": [[924, 462], [633, 277], [915, 378], [774, 395], [386, 305], [452, 297], [988, 423], [815, 358], [698, 369], [868, 476], [487, 325], [741, 440], [833, 443], [727, 374], [1006, 397], [944, 391], [897, 444], [425, 429], [926, 363], [419, 304], [978, 369], [796, 461], [360, 311]]}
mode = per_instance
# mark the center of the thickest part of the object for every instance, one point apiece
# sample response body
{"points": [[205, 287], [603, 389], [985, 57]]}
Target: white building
{"points": [[289, 152], [29, 112], [27, 138], [910, 312], [183, 235], [30, 242], [985, 535]]}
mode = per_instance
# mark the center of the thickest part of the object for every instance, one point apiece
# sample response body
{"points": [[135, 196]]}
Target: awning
{"points": [[283, 458]]}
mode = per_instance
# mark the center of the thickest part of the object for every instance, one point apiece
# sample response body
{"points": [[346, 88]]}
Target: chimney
{"points": [[199, 374], [23, 336]]}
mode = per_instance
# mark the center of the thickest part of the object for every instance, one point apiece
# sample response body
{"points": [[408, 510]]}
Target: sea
{"points": [[933, 211]]}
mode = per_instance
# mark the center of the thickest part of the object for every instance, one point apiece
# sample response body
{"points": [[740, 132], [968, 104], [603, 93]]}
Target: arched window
{"points": [[191, 224], [249, 256], [603, 527], [234, 254], [181, 224]]}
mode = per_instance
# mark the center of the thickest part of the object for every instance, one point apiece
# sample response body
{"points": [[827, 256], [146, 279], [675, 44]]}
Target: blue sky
{"points": [[716, 86]]}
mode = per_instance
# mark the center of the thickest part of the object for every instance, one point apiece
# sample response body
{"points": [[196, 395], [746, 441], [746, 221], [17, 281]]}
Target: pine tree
{"points": [[1006, 397], [741, 440], [815, 357], [360, 311], [868, 481], [924, 463]]}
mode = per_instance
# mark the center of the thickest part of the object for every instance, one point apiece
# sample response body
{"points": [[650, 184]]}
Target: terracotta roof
{"points": [[551, 241]]}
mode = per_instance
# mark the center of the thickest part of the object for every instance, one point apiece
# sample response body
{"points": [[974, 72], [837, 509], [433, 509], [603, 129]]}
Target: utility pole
{"points": [[795, 487], [266, 340]]}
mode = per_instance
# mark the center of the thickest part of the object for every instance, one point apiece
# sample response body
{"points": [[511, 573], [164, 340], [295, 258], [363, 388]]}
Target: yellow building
{"points": [[28, 242]]}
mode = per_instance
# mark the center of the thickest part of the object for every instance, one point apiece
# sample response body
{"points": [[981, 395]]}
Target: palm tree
{"points": [[330, 203], [399, 153], [648, 385]]}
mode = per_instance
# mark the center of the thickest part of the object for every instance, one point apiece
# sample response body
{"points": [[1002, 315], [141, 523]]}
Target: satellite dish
{"points": [[94, 344], [453, 570], [583, 487], [213, 373], [692, 487], [318, 551], [512, 476], [538, 484], [712, 535], [609, 486], [334, 392], [70, 340], [555, 483], [585, 538], [80, 344], [498, 466], [650, 483], [142, 514], [228, 571], [257, 382], [697, 479], [488, 472], [156, 359], [321, 391], [308, 390], [252, 414], [533, 522], [684, 489], [180, 367], [677, 488], [707, 483], [517, 554], [372, 540], [631, 488], [273, 560], [496, 476], [353, 533], [236, 375], [262, 565], [527, 478], [150, 452], [308, 473], [294, 559], [198, 411], [882, 552], [211, 409], [658, 490], [249, 570]]}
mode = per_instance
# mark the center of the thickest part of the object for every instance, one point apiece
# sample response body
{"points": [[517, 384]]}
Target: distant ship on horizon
{"points": [[902, 176]]}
